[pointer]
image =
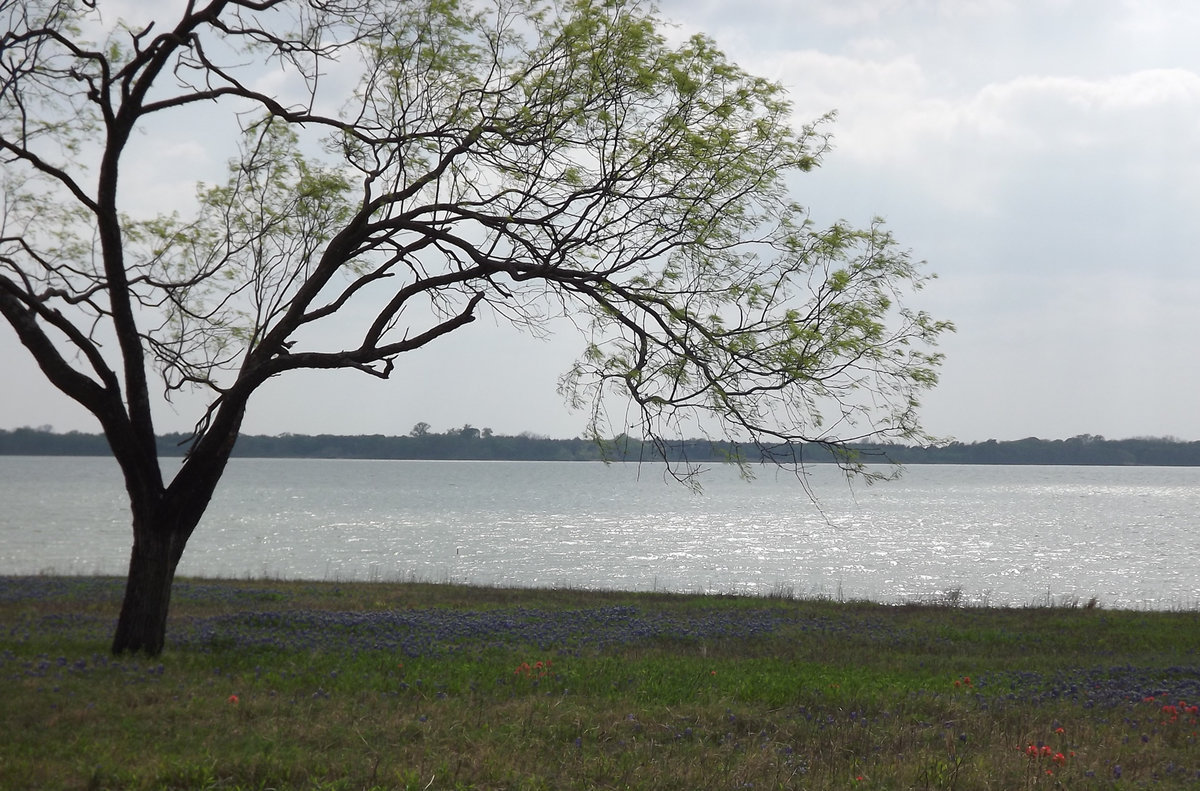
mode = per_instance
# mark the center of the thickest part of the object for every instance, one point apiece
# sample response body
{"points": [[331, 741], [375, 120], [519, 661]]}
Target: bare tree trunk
{"points": [[163, 521], [157, 546]]}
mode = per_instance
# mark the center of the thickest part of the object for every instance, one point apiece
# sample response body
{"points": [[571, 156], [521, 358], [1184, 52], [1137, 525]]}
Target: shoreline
{"points": [[953, 599]]}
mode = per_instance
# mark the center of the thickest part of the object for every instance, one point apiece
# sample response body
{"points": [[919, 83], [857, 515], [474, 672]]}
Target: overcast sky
{"points": [[1042, 156]]}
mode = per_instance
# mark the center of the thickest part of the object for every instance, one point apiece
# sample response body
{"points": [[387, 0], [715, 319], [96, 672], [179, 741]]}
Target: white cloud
{"points": [[972, 152], [1133, 137], [1072, 111]]}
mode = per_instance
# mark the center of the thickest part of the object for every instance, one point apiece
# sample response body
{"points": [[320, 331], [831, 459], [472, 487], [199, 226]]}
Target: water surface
{"points": [[1128, 536]]}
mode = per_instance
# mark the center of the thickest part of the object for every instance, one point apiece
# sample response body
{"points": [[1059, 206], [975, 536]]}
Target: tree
{"points": [[523, 158]]}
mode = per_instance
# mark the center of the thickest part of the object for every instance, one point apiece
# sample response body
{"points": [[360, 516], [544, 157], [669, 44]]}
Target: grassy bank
{"points": [[272, 685]]}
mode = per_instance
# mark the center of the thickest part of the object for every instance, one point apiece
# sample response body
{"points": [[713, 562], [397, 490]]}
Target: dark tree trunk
{"points": [[163, 521], [142, 625]]}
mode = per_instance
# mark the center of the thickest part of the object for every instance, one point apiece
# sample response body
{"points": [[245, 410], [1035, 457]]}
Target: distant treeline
{"points": [[468, 443]]}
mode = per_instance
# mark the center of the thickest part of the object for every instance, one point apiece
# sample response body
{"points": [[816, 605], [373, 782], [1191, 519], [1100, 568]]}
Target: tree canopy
{"points": [[519, 158]]}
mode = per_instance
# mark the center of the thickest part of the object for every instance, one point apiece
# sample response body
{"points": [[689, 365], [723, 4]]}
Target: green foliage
{"points": [[238, 266]]}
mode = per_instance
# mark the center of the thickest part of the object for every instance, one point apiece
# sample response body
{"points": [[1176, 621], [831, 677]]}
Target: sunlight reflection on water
{"points": [[999, 535]]}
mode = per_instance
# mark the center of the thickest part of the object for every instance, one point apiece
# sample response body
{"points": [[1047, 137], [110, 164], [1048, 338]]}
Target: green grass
{"points": [[274, 685]]}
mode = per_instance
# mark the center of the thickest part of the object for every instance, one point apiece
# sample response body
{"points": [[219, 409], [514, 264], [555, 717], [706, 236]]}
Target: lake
{"points": [[1127, 536]]}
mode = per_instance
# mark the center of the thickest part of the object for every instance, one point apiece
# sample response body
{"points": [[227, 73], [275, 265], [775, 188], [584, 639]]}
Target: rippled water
{"points": [[1003, 535]]}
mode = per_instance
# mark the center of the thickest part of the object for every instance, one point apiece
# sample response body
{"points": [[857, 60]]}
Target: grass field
{"points": [[275, 685]]}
